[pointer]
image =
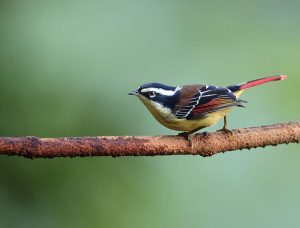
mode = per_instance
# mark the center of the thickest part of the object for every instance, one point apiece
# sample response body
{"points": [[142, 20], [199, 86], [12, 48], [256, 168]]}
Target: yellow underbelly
{"points": [[189, 125]]}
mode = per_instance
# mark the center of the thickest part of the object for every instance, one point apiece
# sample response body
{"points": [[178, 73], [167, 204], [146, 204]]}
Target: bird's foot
{"points": [[187, 136], [204, 134], [226, 130]]}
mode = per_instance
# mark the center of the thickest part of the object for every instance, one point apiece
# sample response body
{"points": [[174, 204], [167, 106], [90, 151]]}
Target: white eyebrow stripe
{"points": [[161, 91]]}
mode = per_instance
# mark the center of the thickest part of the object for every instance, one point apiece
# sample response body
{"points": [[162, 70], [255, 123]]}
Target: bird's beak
{"points": [[134, 92]]}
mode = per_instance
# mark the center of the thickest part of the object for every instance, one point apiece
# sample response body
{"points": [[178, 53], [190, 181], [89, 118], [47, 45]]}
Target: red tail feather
{"points": [[247, 85]]}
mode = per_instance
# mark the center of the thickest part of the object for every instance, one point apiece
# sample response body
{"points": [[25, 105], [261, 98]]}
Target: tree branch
{"points": [[202, 144]]}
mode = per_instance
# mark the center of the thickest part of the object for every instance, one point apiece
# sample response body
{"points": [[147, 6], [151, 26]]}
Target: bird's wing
{"points": [[204, 100]]}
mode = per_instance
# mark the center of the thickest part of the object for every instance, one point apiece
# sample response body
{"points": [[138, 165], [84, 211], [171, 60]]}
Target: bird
{"points": [[190, 108]]}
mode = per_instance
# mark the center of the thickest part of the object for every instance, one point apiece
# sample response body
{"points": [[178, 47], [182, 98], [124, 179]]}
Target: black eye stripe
{"points": [[152, 94]]}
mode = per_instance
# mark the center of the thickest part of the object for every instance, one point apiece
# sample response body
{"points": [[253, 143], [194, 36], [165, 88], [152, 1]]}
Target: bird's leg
{"points": [[225, 129], [205, 133], [188, 135]]}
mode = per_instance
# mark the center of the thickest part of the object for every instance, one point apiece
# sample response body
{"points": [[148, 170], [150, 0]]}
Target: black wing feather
{"points": [[208, 99]]}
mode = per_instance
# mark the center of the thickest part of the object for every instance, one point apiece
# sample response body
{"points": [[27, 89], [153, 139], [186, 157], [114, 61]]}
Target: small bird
{"points": [[190, 108]]}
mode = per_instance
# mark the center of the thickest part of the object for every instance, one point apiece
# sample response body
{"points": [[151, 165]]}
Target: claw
{"points": [[226, 130], [187, 136], [203, 134]]}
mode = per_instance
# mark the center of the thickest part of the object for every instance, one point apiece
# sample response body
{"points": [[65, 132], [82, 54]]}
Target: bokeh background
{"points": [[65, 70]]}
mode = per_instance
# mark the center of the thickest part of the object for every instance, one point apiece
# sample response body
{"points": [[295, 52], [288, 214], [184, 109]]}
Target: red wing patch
{"points": [[210, 106]]}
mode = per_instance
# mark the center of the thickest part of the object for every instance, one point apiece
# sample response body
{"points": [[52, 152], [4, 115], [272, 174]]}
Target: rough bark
{"points": [[202, 144]]}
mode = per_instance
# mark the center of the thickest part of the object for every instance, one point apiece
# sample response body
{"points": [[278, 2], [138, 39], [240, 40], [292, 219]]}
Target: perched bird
{"points": [[190, 108]]}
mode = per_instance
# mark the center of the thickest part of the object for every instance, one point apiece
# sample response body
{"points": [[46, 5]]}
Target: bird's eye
{"points": [[152, 94]]}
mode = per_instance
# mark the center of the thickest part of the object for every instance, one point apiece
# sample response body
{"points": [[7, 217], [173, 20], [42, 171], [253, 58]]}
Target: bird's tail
{"points": [[246, 85]]}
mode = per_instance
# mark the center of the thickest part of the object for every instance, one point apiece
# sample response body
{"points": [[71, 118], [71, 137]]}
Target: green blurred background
{"points": [[66, 68]]}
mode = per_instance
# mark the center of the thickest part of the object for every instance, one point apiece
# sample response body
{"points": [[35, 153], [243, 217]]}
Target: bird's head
{"points": [[157, 95]]}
